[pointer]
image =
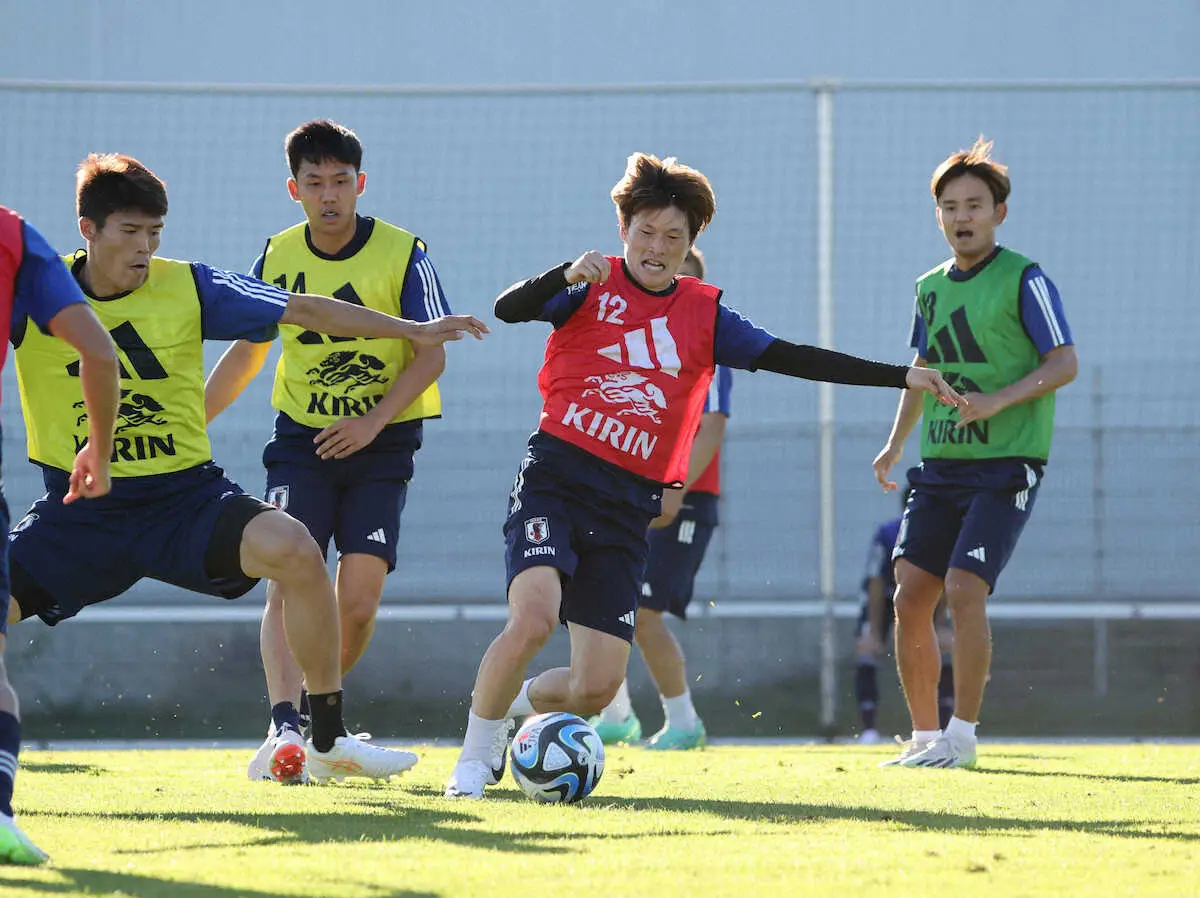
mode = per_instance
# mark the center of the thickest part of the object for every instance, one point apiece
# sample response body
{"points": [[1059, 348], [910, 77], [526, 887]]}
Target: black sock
{"points": [[285, 716], [10, 743], [327, 722], [866, 689], [946, 695]]}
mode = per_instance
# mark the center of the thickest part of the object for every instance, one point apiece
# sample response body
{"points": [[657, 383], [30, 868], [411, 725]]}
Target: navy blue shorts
{"points": [[355, 501], [574, 512], [183, 528], [967, 516], [676, 553]]}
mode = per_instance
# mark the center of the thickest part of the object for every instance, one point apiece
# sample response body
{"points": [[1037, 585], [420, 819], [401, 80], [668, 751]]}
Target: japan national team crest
{"points": [[278, 496], [537, 530]]}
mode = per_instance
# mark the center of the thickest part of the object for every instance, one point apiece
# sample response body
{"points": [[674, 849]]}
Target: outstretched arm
{"points": [[238, 365], [813, 363], [343, 319]]}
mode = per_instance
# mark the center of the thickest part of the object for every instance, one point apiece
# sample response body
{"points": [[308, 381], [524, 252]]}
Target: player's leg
{"points": [[359, 589], [15, 846], [926, 539], [367, 536], [990, 530], [945, 634], [534, 597], [866, 675]]}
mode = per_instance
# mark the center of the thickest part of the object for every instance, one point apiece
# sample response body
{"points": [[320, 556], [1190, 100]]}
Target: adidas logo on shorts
{"points": [[377, 537]]}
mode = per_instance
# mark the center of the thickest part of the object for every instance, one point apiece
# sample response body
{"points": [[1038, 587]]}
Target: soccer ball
{"points": [[557, 757]]}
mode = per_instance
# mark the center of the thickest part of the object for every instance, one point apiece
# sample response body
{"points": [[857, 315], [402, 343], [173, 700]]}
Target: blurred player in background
{"points": [[678, 539], [991, 321], [626, 373], [172, 515], [36, 289], [350, 411], [875, 625]]}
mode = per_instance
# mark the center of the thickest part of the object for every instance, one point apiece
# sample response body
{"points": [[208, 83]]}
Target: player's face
{"points": [[329, 193], [968, 215], [119, 253], [656, 243]]}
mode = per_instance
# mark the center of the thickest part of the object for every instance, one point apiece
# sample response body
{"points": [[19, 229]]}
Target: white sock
{"points": [[522, 706], [620, 707], [680, 713], [477, 743], [961, 730], [925, 735]]}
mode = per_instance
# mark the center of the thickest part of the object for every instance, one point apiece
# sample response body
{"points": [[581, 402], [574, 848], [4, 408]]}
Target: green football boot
{"points": [[627, 730], [672, 739], [16, 847]]}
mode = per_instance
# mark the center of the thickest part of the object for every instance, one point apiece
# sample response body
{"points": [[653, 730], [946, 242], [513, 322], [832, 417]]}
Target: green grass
{"points": [[755, 822]]}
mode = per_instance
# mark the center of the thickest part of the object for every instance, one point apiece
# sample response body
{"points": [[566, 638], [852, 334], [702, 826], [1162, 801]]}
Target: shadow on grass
{"points": [[102, 882], [1102, 777], [53, 767], [396, 824], [788, 813]]}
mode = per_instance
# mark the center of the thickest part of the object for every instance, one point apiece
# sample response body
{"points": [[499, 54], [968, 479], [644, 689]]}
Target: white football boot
{"points": [[944, 751], [469, 777], [354, 755], [909, 748], [281, 758]]}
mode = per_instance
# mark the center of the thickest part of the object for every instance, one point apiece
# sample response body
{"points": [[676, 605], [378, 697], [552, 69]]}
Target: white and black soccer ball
{"points": [[557, 758]]}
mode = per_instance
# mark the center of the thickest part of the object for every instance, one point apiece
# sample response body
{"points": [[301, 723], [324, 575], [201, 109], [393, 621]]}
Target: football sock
{"points": [[960, 730], [284, 715], [866, 688], [481, 732], [925, 735], [946, 694], [327, 722], [10, 744], [620, 707], [680, 713], [305, 711], [521, 706]]}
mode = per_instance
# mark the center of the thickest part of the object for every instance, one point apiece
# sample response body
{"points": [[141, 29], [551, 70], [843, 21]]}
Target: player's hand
{"points": [[591, 267], [89, 476], [447, 329], [869, 644], [672, 501], [931, 381], [978, 407], [347, 436], [883, 464]]}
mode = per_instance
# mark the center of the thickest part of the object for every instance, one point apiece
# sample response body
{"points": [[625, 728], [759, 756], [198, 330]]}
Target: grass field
{"points": [[757, 821]]}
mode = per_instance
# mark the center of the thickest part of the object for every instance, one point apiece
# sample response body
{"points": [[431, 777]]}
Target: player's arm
{"points": [[704, 449], [1058, 368], [550, 296], [908, 413], [48, 294], [420, 298], [100, 380], [238, 365], [336, 318], [1046, 324]]}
